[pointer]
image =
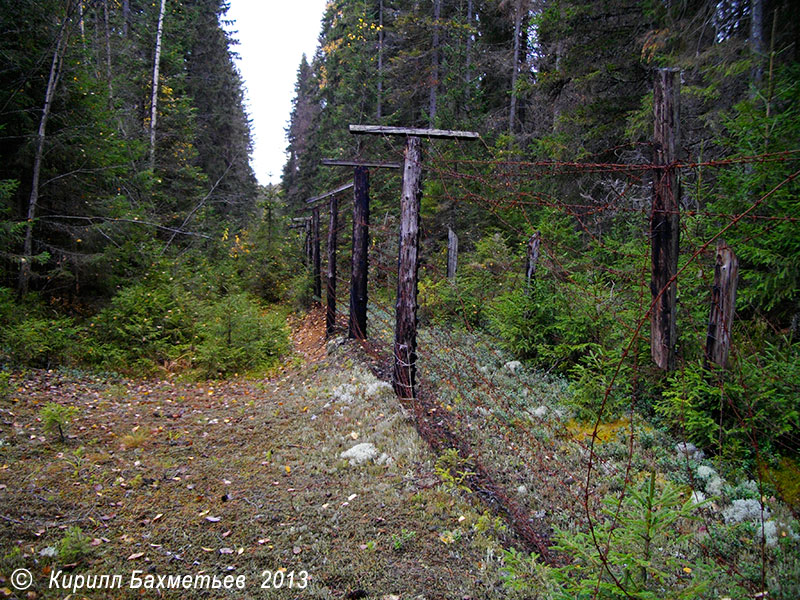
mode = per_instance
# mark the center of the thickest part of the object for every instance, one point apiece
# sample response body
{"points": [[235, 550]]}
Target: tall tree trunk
{"points": [[126, 14], [33, 200], [108, 53], [512, 113], [81, 24], [379, 108], [468, 66], [757, 39], [154, 98], [437, 9]]}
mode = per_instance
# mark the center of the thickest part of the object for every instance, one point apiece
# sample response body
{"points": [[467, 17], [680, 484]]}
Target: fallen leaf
{"points": [[288, 469], [297, 549], [226, 551], [213, 519], [157, 517], [226, 534], [136, 555]]}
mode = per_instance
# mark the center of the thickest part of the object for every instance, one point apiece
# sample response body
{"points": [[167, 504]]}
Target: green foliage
{"points": [[56, 417], [401, 541], [757, 405], [35, 336], [5, 385], [640, 548], [145, 325], [453, 470], [236, 335], [766, 241], [74, 546]]}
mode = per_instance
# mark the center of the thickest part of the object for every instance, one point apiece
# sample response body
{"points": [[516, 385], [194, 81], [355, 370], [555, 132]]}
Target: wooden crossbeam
{"points": [[341, 188], [413, 131], [332, 162]]}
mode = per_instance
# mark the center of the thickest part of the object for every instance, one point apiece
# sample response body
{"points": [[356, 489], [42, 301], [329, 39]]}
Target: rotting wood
{"points": [[357, 324], [723, 303], [664, 219], [532, 260], [334, 162], [330, 284], [452, 253], [315, 256], [337, 190], [405, 338], [413, 131]]}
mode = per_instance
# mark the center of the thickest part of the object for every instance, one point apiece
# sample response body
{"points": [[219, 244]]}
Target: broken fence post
{"points": [[723, 304]]}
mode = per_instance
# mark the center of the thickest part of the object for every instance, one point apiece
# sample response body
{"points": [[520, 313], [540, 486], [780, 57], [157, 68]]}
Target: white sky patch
{"points": [[273, 35]]}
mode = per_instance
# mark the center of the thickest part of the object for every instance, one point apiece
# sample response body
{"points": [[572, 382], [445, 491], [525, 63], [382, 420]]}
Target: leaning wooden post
{"points": [[357, 324], [723, 302], [452, 253], [532, 260], [315, 257], [330, 287], [664, 219]]}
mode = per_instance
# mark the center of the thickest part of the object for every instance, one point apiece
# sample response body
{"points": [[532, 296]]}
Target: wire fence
{"points": [[562, 443]]}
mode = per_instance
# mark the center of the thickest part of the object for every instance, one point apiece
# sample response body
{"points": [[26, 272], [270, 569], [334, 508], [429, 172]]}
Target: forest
{"points": [[551, 350]]}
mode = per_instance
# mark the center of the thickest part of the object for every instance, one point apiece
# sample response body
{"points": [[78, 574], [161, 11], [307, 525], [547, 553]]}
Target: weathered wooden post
{"points": [[405, 335], [330, 284], [315, 257], [452, 253], [330, 277], [723, 302], [357, 322], [532, 260], [664, 218]]}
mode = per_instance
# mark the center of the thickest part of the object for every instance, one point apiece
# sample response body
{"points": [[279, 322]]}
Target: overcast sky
{"points": [[273, 35]]}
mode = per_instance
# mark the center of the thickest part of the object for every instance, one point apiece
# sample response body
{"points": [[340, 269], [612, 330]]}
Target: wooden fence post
{"points": [[405, 336], [723, 302], [357, 326], [307, 243], [664, 218], [330, 287], [532, 260], [452, 253], [315, 257]]}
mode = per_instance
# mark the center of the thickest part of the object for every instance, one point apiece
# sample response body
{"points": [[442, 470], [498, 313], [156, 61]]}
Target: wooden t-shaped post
{"points": [[357, 325], [332, 230], [405, 335]]}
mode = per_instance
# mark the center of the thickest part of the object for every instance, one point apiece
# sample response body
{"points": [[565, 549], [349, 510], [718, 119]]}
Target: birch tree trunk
{"points": [[757, 39], [379, 108], [154, 98], [437, 10], [108, 53], [126, 13], [33, 200], [515, 66]]}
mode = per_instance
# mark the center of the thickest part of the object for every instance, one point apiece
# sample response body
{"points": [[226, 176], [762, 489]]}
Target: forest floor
{"points": [[240, 478]]}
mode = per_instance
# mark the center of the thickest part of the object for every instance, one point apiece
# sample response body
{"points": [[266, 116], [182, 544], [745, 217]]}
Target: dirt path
{"points": [[237, 478]]}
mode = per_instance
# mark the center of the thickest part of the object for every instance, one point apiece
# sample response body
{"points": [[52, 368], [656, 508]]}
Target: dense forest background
{"points": [[562, 95], [136, 237]]}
